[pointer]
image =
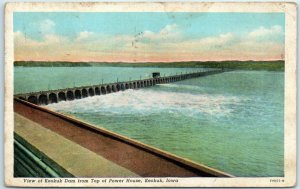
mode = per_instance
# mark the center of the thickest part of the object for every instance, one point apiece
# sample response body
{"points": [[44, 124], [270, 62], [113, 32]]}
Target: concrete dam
{"points": [[54, 96]]}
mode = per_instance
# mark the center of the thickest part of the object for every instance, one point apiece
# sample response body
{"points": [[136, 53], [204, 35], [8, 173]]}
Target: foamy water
{"points": [[148, 101]]}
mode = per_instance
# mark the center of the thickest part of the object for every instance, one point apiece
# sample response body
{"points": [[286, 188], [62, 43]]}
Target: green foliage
{"points": [[49, 64], [238, 65]]}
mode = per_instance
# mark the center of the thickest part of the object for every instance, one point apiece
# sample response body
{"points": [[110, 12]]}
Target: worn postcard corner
{"points": [[181, 94]]}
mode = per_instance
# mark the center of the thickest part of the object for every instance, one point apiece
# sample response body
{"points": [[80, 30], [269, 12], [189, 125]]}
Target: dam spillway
{"points": [[68, 94]]}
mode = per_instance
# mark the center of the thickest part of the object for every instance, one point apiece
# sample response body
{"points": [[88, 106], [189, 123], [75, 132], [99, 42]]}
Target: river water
{"points": [[232, 121]]}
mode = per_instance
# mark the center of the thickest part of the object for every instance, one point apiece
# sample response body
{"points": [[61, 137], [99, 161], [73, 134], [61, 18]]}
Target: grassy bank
{"points": [[238, 65]]}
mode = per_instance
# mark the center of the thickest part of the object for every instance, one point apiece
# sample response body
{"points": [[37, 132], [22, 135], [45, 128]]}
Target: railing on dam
{"points": [[54, 96]]}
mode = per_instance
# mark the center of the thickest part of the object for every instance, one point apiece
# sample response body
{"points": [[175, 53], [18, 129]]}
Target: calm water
{"points": [[231, 121]]}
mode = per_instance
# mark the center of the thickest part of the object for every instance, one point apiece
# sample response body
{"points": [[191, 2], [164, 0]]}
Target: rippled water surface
{"points": [[231, 121]]}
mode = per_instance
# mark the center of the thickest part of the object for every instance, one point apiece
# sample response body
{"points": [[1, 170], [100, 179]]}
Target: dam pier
{"points": [[54, 96]]}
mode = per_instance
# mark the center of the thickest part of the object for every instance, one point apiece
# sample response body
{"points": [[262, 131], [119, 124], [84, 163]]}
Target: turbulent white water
{"points": [[147, 101]]}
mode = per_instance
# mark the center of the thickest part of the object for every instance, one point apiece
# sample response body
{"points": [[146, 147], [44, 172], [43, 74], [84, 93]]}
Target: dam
{"points": [[54, 96]]}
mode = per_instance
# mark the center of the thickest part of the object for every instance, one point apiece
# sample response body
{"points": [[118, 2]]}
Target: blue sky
{"points": [[191, 26]]}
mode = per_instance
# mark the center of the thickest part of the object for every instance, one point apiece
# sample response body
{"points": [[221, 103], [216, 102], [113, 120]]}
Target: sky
{"points": [[147, 36]]}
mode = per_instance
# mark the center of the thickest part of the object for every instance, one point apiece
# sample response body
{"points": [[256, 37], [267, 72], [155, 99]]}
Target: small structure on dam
{"points": [[156, 74], [54, 96]]}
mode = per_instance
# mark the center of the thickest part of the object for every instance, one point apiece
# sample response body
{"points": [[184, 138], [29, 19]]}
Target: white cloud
{"points": [[265, 32], [221, 39], [169, 29], [21, 40], [168, 32], [84, 35], [47, 26], [51, 45], [54, 39]]}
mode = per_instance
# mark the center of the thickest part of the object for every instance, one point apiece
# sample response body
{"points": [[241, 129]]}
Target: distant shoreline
{"points": [[276, 65]]}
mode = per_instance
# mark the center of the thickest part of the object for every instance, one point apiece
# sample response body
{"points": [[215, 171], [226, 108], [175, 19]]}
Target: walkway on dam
{"points": [[78, 161]]}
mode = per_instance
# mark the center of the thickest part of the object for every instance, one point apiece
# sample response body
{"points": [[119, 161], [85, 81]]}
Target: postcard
{"points": [[182, 94]]}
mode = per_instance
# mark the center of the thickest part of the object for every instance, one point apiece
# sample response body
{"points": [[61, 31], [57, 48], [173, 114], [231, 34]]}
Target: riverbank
{"points": [[277, 65]]}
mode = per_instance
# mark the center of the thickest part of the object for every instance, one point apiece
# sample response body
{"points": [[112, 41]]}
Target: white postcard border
{"points": [[289, 9]]}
